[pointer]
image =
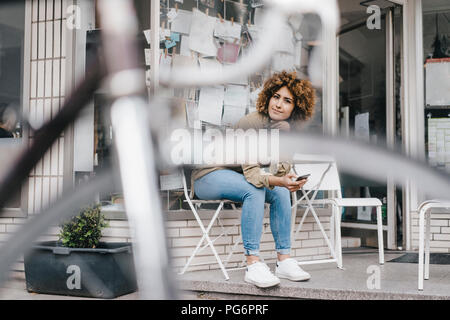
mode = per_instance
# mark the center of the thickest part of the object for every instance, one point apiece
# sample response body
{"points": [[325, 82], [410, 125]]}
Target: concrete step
{"points": [[399, 282]]}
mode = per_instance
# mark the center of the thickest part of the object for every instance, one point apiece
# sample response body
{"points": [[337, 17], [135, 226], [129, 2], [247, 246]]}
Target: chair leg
{"points": [[305, 196], [427, 245], [333, 252], [219, 261], [300, 224], [421, 247], [337, 219], [232, 251], [208, 240], [293, 217], [193, 255], [380, 236], [333, 228]]}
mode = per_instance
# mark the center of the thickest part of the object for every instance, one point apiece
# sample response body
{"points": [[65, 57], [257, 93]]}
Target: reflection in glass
{"points": [[362, 100], [12, 20]]}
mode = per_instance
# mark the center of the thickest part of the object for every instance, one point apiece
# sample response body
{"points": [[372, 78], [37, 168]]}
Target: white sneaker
{"points": [[259, 274], [289, 269]]}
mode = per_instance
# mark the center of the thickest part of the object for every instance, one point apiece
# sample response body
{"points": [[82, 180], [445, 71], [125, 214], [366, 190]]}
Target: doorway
{"points": [[370, 108]]}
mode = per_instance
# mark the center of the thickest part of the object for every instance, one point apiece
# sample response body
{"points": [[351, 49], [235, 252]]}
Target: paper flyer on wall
{"points": [[172, 14], [184, 46], [147, 36], [210, 65], [236, 96], [191, 113], [163, 34], [232, 114], [179, 61], [182, 22], [362, 126], [283, 61], [286, 40], [165, 62], [210, 104], [201, 34], [227, 30], [228, 53]]}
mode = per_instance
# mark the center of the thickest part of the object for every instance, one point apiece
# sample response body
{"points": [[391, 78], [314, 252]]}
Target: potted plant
{"points": [[79, 264]]}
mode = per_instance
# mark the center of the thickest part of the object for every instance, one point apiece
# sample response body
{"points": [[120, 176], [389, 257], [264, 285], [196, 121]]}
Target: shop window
{"points": [[182, 44], [362, 99], [302, 35], [103, 133], [12, 22], [436, 49]]}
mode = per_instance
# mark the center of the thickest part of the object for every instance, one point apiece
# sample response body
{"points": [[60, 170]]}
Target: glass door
{"points": [[12, 96], [370, 106]]}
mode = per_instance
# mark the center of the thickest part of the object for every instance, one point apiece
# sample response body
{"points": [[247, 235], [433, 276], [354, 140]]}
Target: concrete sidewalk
{"points": [[398, 281], [15, 289]]}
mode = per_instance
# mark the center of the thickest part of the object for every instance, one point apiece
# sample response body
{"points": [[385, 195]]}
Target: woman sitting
{"points": [[283, 104]]}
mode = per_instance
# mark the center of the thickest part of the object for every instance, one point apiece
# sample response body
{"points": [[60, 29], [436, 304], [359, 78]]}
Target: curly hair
{"points": [[303, 92]]}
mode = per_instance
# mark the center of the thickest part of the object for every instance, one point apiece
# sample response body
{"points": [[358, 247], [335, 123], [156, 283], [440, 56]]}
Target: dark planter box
{"points": [[104, 272]]}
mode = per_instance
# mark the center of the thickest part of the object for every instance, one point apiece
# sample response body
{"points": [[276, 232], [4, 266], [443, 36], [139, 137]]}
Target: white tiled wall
{"points": [[439, 231], [47, 92], [46, 96], [46, 78], [184, 235]]}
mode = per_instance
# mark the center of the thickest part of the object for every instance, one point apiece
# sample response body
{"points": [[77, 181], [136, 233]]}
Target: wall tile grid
{"points": [[47, 79], [47, 93], [183, 236], [439, 231], [47, 61], [47, 64]]}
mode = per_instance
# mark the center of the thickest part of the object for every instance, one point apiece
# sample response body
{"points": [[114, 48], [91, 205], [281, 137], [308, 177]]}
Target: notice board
{"points": [[437, 73]]}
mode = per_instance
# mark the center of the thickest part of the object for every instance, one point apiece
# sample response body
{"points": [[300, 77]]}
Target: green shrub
{"points": [[83, 230]]}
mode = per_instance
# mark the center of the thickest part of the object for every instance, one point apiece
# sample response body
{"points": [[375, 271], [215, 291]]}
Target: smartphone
{"points": [[305, 176]]}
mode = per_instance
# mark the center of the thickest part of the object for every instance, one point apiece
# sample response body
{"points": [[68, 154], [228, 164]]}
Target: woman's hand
{"points": [[281, 125], [287, 181], [292, 185]]}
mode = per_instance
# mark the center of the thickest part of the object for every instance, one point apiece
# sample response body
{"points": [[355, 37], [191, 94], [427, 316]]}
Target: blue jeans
{"points": [[231, 185]]}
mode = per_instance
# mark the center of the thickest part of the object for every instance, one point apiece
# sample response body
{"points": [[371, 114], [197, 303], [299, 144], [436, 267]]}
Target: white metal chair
{"points": [[324, 177], [195, 204], [424, 240]]}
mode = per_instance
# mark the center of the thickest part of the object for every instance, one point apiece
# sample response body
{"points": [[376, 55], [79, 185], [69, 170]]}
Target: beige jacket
{"points": [[252, 173]]}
